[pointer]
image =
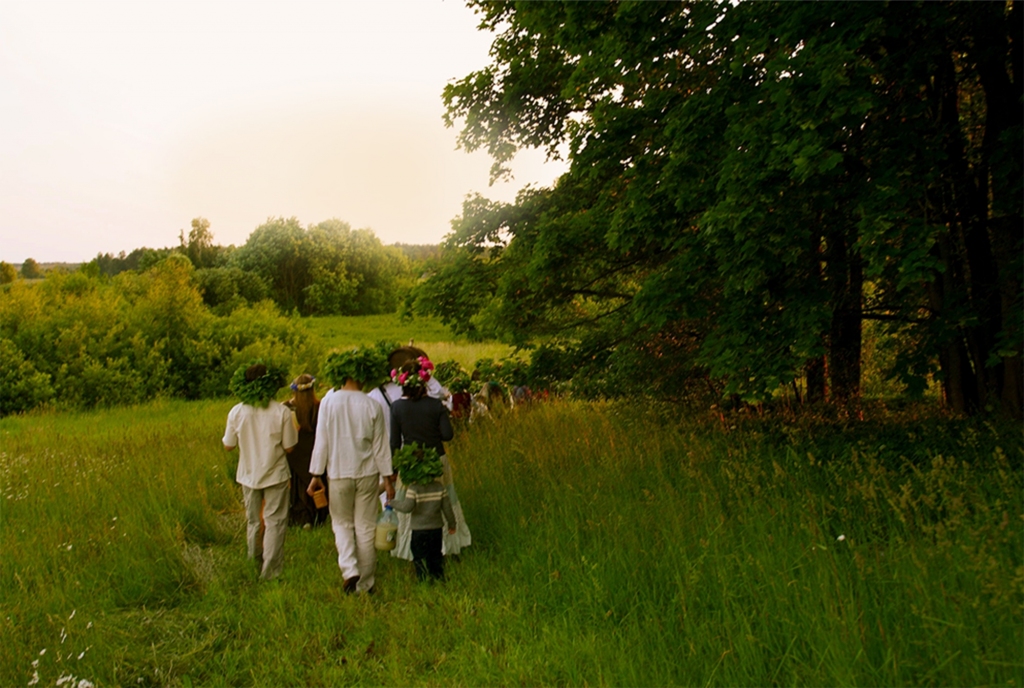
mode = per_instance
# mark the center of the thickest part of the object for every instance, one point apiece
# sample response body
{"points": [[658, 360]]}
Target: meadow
{"points": [[340, 332], [614, 544]]}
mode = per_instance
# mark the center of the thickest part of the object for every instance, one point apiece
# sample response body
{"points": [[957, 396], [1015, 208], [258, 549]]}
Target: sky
{"points": [[121, 121]]}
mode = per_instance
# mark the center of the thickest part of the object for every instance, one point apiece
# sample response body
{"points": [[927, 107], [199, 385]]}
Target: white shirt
{"points": [[351, 441], [394, 393], [261, 435]]}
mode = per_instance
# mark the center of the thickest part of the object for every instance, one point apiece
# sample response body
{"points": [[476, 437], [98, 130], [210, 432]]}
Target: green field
{"points": [[613, 545], [339, 332]]}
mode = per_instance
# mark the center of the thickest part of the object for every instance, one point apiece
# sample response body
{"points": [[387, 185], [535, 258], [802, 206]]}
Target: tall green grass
{"points": [[612, 545]]}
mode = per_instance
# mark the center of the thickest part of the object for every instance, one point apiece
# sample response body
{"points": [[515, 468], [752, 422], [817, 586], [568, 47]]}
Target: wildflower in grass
{"points": [[840, 538]]}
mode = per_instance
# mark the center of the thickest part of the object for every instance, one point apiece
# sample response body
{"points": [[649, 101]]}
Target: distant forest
{"points": [[323, 269]]}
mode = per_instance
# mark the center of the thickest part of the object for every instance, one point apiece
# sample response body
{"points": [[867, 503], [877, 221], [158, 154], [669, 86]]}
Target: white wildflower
{"points": [[35, 678], [840, 538], [86, 683], [73, 612]]}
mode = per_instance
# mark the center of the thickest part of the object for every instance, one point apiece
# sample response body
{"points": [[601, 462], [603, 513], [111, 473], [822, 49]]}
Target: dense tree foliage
{"points": [[328, 268], [199, 246], [82, 340], [7, 273], [325, 269], [139, 259], [748, 183], [30, 269]]}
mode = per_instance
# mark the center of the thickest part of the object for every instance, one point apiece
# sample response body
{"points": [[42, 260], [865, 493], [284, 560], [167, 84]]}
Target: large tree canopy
{"points": [[748, 183], [328, 268]]}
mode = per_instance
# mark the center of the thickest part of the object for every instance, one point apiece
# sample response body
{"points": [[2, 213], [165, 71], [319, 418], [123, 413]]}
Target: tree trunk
{"points": [[814, 370], [845, 274]]}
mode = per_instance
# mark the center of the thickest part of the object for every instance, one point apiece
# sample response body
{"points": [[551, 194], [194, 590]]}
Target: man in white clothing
{"points": [[352, 447], [264, 433]]}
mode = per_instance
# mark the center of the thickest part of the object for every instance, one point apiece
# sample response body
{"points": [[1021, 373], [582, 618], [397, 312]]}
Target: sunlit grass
{"points": [[612, 545], [339, 332]]}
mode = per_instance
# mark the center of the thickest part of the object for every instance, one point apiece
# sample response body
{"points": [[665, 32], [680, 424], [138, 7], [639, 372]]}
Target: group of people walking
{"points": [[343, 444]]}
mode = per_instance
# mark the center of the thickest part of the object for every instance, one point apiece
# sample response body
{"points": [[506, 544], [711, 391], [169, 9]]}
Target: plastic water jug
{"points": [[387, 530]]}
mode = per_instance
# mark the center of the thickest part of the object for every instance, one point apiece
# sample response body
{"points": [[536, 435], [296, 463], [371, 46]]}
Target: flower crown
{"points": [[303, 387], [409, 378]]}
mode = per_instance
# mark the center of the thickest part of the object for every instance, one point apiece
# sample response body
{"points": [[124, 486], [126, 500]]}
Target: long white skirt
{"points": [[450, 544]]}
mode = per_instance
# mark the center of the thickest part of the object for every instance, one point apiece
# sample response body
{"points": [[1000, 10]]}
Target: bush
{"points": [[101, 341], [22, 387]]}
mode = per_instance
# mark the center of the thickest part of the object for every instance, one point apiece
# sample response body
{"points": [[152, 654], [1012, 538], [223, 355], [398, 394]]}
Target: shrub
{"points": [[22, 387]]}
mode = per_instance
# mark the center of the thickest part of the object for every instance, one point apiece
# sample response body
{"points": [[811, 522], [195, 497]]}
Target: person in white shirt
{"points": [[264, 433], [352, 447]]}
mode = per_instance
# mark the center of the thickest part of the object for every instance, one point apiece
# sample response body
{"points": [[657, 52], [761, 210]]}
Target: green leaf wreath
{"points": [[260, 391], [453, 376], [364, 365], [416, 464]]}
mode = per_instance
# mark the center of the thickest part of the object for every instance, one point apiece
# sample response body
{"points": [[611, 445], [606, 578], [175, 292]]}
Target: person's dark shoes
{"points": [[350, 584]]}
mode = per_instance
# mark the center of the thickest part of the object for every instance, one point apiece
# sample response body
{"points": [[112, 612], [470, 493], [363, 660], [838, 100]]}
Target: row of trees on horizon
{"points": [[323, 269]]}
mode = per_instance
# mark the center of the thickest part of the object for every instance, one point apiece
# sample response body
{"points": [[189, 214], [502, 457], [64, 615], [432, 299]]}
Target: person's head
{"points": [[403, 354], [413, 376], [257, 383], [304, 400], [255, 372]]}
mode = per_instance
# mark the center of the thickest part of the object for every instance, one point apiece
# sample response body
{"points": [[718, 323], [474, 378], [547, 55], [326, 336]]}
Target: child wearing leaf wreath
{"points": [[264, 433], [425, 500]]}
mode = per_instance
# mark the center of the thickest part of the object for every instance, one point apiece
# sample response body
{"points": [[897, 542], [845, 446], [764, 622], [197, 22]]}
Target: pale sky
{"points": [[121, 121]]}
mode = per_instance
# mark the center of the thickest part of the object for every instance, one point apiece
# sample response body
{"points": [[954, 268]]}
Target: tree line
{"points": [[750, 186], [323, 269], [178, 321]]}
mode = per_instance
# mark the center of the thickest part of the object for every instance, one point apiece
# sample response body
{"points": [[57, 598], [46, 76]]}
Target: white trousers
{"points": [[354, 508], [267, 545]]}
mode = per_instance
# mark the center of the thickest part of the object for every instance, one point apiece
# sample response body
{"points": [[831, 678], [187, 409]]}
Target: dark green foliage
{"points": [[416, 464], [226, 288], [22, 387], [7, 273], [140, 259], [259, 390], [30, 269], [760, 177], [326, 269], [364, 365], [453, 376]]}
